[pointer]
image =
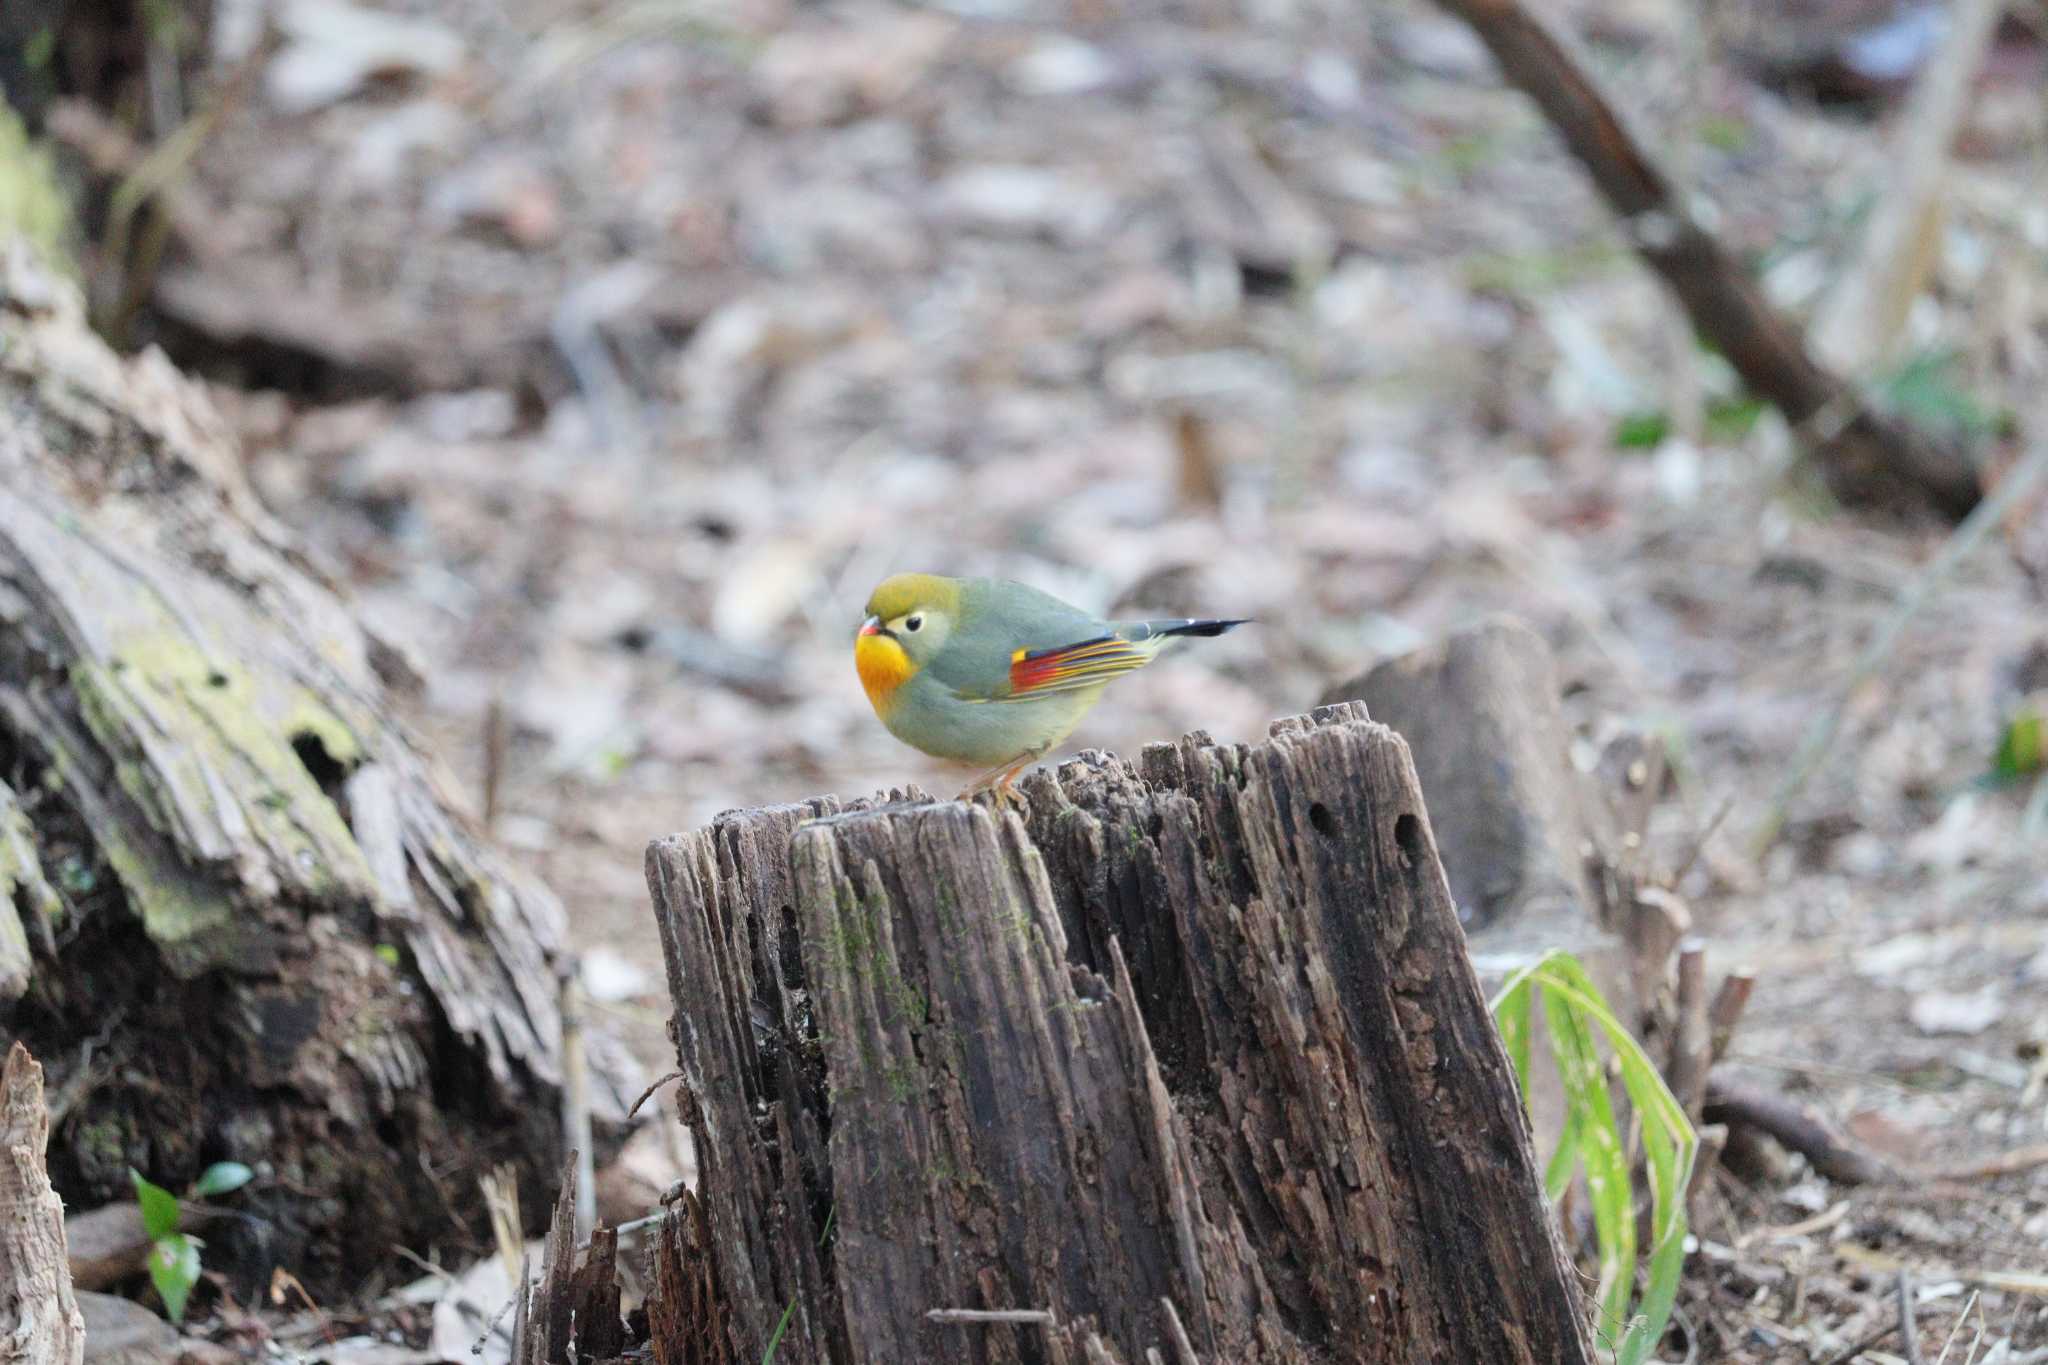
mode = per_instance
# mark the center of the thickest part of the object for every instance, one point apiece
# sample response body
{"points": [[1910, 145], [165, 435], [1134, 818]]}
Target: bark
{"points": [[257, 930], [39, 1319], [1867, 457], [1195, 1050]]}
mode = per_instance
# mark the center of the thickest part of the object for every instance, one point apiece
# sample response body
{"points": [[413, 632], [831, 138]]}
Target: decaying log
{"points": [[1512, 815], [254, 928], [39, 1318], [1193, 1051], [1867, 457]]}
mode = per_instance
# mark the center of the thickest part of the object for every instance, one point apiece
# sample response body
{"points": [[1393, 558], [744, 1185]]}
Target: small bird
{"points": [[993, 673]]}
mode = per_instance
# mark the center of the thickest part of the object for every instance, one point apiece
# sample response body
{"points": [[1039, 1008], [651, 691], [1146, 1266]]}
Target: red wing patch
{"points": [[1068, 667]]}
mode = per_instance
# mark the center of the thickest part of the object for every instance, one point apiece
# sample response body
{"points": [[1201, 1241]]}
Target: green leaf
{"points": [[1642, 430], [387, 953], [222, 1177], [2023, 748], [174, 1269], [159, 1207]]}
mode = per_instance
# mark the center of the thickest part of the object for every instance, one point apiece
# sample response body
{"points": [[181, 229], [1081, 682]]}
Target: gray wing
{"points": [[980, 668]]}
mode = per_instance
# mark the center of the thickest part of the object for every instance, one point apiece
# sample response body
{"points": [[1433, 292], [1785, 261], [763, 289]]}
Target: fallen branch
{"points": [[1868, 458], [1800, 1128]]}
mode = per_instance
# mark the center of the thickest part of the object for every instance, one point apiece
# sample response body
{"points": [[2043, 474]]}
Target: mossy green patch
{"points": [[199, 741], [30, 202]]}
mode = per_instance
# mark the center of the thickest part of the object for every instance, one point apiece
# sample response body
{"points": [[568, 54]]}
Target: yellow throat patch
{"points": [[883, 667]]}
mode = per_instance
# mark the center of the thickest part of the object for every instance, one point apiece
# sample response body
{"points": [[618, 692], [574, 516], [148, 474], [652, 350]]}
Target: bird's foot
{"points": [[1000, 783]]}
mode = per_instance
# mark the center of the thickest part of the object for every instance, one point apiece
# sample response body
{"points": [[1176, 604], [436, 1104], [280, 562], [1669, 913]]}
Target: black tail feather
{"points": [[1206, 629]]}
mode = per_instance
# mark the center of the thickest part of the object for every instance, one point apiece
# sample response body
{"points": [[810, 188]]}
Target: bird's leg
{"points": [[1000, 780]]}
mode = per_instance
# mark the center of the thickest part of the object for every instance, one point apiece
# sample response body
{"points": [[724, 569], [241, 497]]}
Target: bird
{"points": [[993, 673]]}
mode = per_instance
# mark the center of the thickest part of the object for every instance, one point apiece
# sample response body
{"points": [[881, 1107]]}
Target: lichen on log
{"points": [[267, 912]]}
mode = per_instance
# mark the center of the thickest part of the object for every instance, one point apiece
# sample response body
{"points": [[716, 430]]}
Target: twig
{"points": [[2007, 1163], [1857, 322], [1804, 1131], [1041, 1316], [495, 744], [500, 1188], [1699, 845], [1974, 1301], [1726, 1011], [1867, 457], [1691, 1042], [1909, 1330], [576, 1134], [1865, 1344], [1985, 516], [648, 1093], [1181, 1344]]}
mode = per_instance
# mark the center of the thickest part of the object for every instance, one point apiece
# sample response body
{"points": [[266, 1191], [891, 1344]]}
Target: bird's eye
{"points": [[913, 623]]}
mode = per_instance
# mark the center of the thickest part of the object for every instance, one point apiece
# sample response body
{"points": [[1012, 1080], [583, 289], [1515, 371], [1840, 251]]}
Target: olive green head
{"points": [[918, 611]]}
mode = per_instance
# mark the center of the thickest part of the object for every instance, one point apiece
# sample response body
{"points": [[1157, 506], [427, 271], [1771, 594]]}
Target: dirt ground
{"points": [[610, 351]]}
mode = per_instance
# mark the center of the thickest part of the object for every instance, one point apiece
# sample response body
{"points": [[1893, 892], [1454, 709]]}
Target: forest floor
{"points": [[609, 352]]}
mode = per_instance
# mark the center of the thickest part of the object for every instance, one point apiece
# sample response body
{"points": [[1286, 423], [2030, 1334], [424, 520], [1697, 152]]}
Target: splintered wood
{"points": [[39, 1318], [1188, 1063]]}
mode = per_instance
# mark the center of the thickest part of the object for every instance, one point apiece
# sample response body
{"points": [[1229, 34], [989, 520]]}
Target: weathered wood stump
{"points": [[238, 917], [39, 1319], [1188, 1064]]}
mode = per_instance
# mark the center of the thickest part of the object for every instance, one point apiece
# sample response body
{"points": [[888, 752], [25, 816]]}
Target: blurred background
{"points": [[609, 351]]}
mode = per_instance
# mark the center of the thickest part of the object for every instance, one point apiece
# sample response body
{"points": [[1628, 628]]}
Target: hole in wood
{"points": [[1319, 816], [1408, 838], [324, 768]]}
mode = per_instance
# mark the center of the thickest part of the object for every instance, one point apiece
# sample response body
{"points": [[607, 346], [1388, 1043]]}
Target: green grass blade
{"points": [[1669, 1149], [1600, 1149], [1511, 1016]]}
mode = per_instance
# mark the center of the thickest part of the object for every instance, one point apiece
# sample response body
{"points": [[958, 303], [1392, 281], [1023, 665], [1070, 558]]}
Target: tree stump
{"points": [[1190, 1064], [238, 919]]}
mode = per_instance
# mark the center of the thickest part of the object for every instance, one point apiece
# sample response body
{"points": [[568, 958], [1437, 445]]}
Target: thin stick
{"points": [[1909, 1330], [576, 1134], [1041, 1316], [1691, 1044], [1856, 324], [1181, 1344], [1723, 1014], [495, 744], [1860, 1347], [2007, 1163], [1964, 539], [1699, 845], [648, 1093], [1974, 1301], [1867, 456]]}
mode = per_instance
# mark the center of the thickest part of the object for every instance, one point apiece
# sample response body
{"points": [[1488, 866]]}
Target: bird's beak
{"points": [[871, 626]]}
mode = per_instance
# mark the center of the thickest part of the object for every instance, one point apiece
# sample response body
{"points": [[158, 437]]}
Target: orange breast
{"points": [[883, 667]]}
